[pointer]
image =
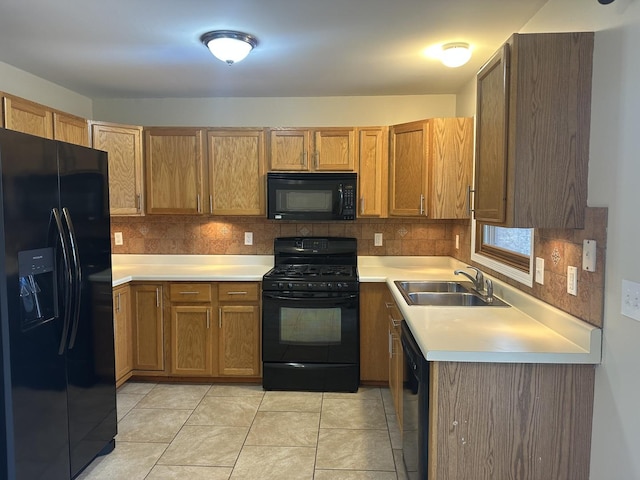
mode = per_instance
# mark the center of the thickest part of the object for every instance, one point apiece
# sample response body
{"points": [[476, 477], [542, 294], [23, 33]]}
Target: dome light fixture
{"points": [[455, 54], [228, 45]]}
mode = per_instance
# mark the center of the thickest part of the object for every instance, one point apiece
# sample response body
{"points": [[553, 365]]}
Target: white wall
{"points": [[22, 84], [275, 112], [614, 175]]}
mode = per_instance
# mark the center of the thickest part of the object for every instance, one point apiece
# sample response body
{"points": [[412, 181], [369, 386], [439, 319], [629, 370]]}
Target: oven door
{"points": [[310, 327]]}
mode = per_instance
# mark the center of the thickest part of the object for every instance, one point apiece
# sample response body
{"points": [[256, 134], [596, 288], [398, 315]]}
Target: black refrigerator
{"points": [[58, 402]]}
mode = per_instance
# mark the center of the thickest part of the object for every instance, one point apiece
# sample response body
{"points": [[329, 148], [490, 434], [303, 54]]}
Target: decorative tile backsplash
{"points": [[164, 234], [561, 248]]}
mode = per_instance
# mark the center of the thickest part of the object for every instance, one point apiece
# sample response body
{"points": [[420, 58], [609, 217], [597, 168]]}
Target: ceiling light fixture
{"points": [[455, 54], [229, 46]]}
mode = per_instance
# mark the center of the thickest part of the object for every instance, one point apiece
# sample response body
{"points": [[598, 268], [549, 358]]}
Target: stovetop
{"points": [[313, 264]]}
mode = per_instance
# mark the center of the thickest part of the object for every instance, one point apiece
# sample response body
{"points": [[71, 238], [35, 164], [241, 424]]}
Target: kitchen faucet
{"points": [[478, 282]]}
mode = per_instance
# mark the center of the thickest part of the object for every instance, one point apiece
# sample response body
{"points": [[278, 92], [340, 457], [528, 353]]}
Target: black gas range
{"points": [[310, 320]]}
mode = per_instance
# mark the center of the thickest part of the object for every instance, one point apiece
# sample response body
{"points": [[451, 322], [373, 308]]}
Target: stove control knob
{"points": [[290, 286], [310, 285], [329, 285], [280, 285]]}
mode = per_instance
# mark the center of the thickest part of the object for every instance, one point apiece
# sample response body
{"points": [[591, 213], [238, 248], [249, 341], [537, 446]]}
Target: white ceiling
{"points": [[151, 48]]}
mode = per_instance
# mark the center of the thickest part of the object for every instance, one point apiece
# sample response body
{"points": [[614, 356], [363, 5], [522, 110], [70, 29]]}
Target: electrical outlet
{"points": [[377, 239], [248, 238], [117, 238], [572, 280], [540, 270], [457, 242], [631, 299]]}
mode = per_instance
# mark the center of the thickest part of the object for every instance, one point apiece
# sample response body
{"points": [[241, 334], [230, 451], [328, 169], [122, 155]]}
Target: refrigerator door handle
{"points": [[68, 281], [77, 276]]}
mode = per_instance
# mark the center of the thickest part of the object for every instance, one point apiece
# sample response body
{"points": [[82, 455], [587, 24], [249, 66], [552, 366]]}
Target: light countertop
{"points": [[530, 331]]}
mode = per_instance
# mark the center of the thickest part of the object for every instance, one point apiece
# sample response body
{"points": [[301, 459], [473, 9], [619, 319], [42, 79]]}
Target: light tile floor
{"points": [[216, 432]]}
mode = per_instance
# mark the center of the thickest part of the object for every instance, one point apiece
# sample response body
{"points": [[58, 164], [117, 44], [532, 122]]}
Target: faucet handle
{"points": [[489, 289], [479, 276]]}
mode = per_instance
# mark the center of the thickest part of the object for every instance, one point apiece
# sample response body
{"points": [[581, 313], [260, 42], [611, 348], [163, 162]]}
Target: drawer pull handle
{"points": [[189, 293], [389, 305], [236, 293]]}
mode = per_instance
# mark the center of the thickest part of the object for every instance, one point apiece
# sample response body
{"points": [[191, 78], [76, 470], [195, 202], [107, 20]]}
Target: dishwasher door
{"points": [[415, 404]]}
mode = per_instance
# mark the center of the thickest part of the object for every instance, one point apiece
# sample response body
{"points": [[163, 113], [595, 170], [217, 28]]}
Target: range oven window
{"points": [[304, 326], [304, 200]]}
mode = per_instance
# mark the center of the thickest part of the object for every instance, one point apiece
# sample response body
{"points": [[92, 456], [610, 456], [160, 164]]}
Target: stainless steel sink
{"points": [[445, 294], [456, 299], [409, 286]]}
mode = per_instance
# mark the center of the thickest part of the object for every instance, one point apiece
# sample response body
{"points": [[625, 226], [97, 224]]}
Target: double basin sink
{"points": [[445, 294]]}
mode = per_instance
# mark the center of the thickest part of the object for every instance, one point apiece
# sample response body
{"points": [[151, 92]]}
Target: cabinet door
{"points": [[408, 169], [396, 356], [191, 345], [236, 172], [27, 117], [451, 167], [70, 129], [373, 172], [334, 150], [374, 362], [174, 162], [124, 146], [148, 338], [491, 139], [239, 340], [289, 149], [122, 331]]}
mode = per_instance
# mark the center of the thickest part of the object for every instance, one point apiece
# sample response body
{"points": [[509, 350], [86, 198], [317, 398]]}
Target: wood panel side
{"points": [[525, 421], [374, 348]]}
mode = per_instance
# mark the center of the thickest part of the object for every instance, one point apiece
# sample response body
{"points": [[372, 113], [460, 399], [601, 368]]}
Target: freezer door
{"points": [[34, 373], [90, 354]]}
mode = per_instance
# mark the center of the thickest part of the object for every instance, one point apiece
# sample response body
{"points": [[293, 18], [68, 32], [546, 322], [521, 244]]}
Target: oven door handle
{"points": [[334, 299]]}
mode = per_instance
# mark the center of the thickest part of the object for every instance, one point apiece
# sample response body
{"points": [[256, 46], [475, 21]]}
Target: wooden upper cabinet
{"points": [[174, 170], [431, 167], [236, 172], [27, 117], [123, 143], [532, 132], [373, 172], [326, 149], [334, 149], [408, 173], [451, 167], [289, 149], [35, 119], [70, 129]]}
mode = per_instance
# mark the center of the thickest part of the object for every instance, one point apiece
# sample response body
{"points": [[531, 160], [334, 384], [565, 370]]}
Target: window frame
{"points": [[502, 261]]}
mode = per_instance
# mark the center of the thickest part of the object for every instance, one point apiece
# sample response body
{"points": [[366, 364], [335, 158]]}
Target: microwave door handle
{"points": [[341, 196]]}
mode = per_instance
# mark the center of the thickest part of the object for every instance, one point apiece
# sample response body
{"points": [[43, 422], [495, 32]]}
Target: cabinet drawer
{"points": [[190, 292], [238, 292]]}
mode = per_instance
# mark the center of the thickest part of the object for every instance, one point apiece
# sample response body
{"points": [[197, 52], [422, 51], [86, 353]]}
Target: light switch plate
{"points": [[540, 270], [457, 242], [572, 280], [117, 238], [631, 299], [589, 255], [248, 238], [377, 239]]}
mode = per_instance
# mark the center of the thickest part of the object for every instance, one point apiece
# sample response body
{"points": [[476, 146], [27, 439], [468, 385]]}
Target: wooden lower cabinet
{"points": [[396, 356], [191, 340], [239, 341], [239, 337], [122, 333], [374, 361], [148, 328], [504, 420]]}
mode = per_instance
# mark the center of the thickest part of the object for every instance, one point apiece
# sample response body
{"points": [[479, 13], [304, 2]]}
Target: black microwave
{"points": [[311, 196]]}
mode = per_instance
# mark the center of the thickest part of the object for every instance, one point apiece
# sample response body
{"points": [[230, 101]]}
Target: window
{"points": [[505, 250]]}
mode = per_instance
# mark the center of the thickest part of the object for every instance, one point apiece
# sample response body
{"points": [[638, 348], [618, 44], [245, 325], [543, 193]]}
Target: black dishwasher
{"points": [[415, 408]]}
